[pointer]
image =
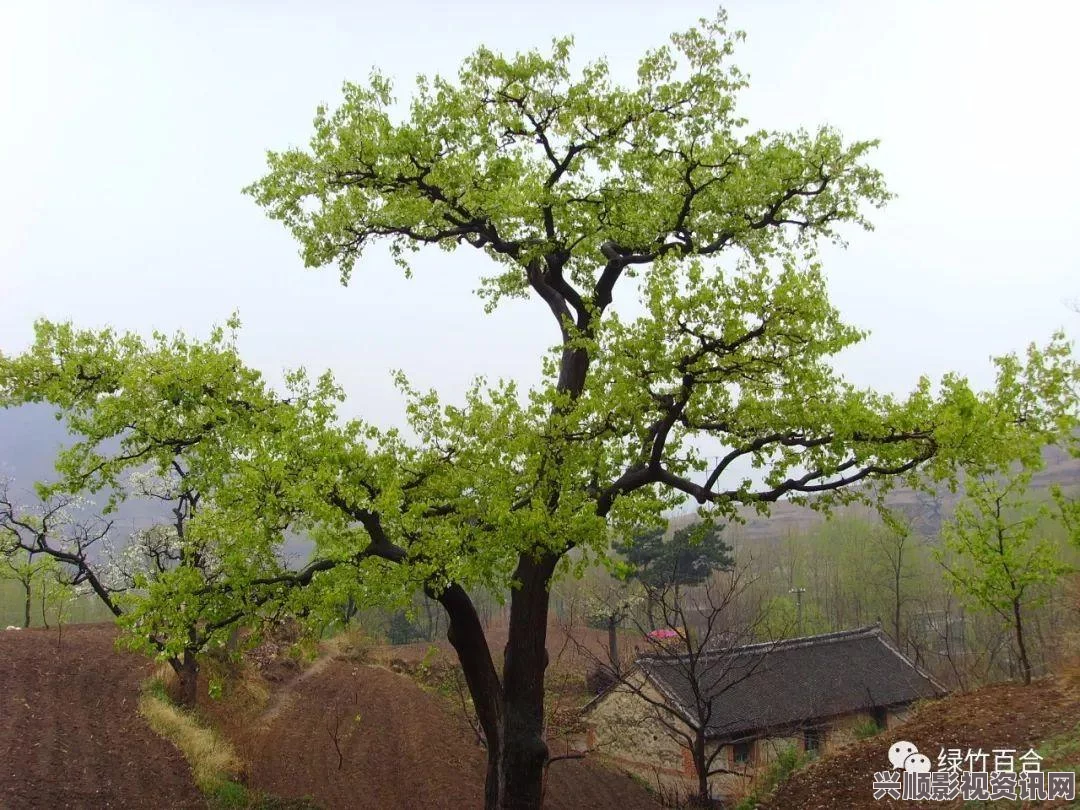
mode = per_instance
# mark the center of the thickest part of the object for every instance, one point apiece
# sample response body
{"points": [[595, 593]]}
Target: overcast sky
{"points": [[128, 130]]}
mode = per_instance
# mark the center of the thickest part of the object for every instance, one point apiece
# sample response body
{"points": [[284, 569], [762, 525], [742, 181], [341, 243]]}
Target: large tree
{"points": [[571, 186]]}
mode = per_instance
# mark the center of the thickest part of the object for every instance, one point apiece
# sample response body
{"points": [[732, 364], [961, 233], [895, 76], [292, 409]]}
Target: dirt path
{"points": [[70, 733], [285, 698], [355, 736]]}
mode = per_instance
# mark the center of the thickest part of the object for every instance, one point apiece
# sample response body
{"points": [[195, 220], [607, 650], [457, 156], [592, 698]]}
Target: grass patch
{"points": [[214, 764], [866, 729], [1060, 753], [213, 761], [234, 796], [788, 760], [84, 609]]}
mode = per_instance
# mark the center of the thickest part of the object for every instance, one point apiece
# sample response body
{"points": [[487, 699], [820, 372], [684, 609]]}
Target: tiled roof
{"points": [[789, 683]]}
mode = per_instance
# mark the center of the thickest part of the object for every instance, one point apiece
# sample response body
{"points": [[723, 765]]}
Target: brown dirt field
{"points": [[574, 648], [999, 716], [400, 746], [70, 732]]}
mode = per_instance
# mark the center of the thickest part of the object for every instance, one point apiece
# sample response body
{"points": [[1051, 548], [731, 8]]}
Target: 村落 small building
{"points": [[810, 693]]}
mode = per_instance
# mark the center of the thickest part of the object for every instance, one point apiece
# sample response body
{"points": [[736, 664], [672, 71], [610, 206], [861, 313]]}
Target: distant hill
{"points": [[30, 437]]}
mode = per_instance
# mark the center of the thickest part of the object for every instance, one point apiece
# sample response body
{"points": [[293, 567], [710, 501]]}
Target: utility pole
{"points": [[798, 607]]}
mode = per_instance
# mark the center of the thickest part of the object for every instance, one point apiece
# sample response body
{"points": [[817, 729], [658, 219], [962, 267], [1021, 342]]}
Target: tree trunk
{"points": [[44, 605], [613, 646], [896, 612], [1018, 626], [702, 768], [466, 634], [524, 752], [511, 713], [187, 675], [348, 610]]}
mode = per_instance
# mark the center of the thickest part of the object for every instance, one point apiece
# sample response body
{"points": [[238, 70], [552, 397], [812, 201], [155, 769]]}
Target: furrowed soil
{"points": [[1001, 716], [341, 733], [352, 735], [70, 732]]}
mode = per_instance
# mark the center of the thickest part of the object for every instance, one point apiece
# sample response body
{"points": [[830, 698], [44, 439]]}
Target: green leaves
{"points": [[999, 555], [687, 558], [569, 183], [525, 160], [188, 426]]}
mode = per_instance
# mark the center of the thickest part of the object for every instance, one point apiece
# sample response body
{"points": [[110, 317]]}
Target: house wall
{"points": [[623, 728], [841, 730]]}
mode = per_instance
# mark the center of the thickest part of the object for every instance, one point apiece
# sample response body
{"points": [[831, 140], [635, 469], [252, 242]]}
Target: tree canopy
{"points": [[571, 187]]}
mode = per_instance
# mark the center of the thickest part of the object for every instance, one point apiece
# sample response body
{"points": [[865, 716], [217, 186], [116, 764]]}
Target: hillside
{"points": [[1044, 716], [343, 732], [926, 511], [352, 735], [70, 734]]}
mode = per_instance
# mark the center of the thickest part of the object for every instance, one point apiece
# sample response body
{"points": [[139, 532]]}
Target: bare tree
{"points": [[609, 609], [701, 627]]}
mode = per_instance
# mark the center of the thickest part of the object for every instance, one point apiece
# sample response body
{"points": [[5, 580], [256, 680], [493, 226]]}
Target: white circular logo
{"points": [[901, 751]]}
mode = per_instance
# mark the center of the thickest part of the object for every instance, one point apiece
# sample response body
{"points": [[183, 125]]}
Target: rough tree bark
{"points": [[466, 634], [524, 752], [510, 710]]}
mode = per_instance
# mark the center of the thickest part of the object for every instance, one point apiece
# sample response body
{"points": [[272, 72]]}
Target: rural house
{"points": [[810, 693]]}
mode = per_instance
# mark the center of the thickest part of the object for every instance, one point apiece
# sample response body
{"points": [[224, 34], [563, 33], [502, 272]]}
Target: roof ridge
{"points": [[867, 631], [918, 670]]}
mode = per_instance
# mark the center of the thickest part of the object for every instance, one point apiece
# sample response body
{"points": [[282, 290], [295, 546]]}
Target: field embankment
{"points": [[347, 733]]}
